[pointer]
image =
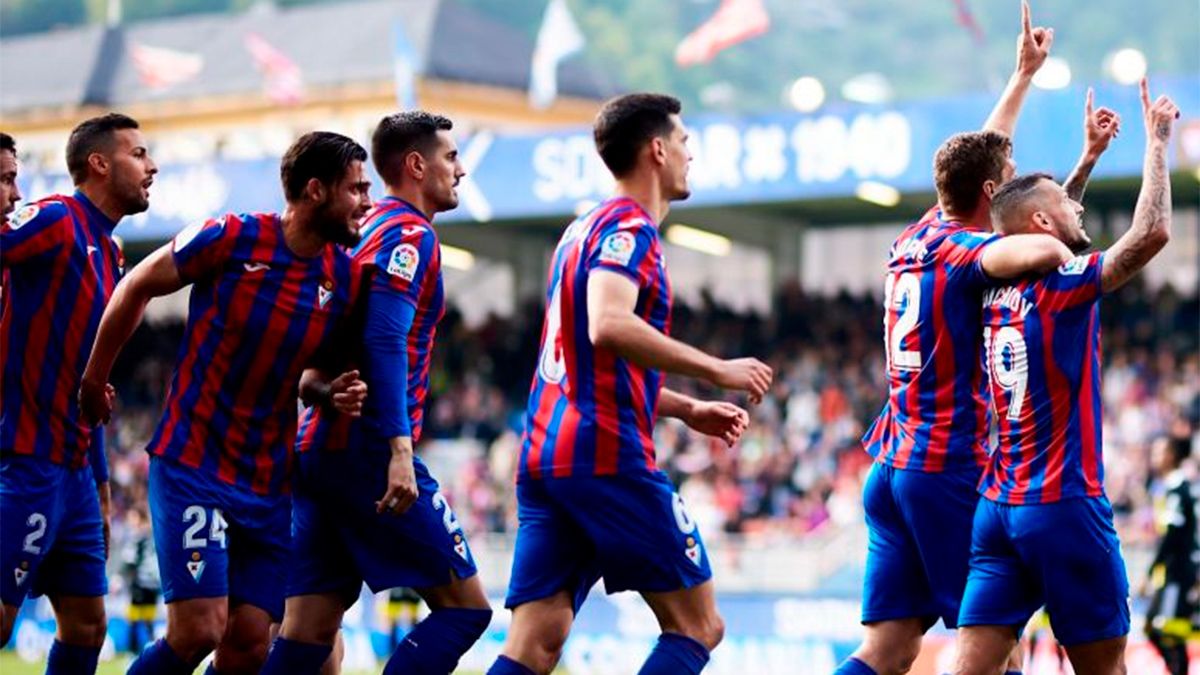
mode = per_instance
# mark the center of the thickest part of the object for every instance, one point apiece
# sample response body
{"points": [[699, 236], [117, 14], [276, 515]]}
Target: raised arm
{"points": [[1019, 254], [1033, 46], [613, 325], [155, 276], [1151, 226], [1099, 128]]}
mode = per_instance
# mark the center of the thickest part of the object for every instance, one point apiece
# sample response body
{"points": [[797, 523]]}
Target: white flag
{"points": [[557, 39]]}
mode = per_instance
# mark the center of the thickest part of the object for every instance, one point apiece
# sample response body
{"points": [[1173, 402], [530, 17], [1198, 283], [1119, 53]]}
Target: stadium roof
{"points": [[331, 45]]}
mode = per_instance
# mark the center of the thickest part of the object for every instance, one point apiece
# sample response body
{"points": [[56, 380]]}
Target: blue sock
{"points": [[506, 666], [68, 659], [301, 658], [435, 644], [1012, 672], [853, 666], [675, 653], [159, 659]]}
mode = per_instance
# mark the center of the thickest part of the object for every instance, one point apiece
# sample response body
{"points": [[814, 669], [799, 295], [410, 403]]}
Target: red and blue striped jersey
{"points": [[257, 316], [936, 417], [400, 254], [1042, 338], [591, 412], [60, 265]]}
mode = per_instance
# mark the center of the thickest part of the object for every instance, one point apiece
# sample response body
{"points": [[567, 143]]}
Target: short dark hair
{"points": [[401, 133], [1013, 194], [8, 143], [323, 155], [964, 162], [627, 123], [1180, 448], [93, 135]]}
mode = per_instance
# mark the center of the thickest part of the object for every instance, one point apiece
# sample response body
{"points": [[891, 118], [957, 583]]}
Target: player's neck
{"points": [[300, 234], [103, 202], [647, 195], [414, 199], [979, 220]]}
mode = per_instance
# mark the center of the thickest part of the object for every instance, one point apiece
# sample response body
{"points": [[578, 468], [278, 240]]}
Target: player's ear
{"points": [[315, 190], [989, 188], [99, 163], [414, 165]]}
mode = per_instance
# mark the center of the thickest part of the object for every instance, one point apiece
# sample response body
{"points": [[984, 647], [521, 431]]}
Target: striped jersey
{"points": [[591, 412], [400, 255], [936, 416], [60, 265], [257, 316], [1042, 339]]}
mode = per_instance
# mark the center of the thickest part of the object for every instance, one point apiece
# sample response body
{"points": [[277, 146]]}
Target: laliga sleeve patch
{"points": [[23, 215], [403, 262], [1075, 267], [618, 248]]}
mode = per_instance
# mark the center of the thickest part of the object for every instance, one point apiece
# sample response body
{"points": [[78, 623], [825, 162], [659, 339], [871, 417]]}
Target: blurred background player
{"points": [[269, 292], [929, 442], [60, 265], [1173, 581], [1043, 532], [366, 509], [10, 194], [139, 565], [400, 614], [591, 500]]}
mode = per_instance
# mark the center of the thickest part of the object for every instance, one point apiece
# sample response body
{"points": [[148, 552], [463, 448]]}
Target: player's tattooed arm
{"points": [[155, 276], [1151, 226], [1099, 128], [1033, 46]]}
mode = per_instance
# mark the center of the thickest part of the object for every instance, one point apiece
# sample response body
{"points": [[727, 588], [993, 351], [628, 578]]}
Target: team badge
{"points": [[618, 248], [23, 215], [693, 551], [1074, 267], [195, 566], [21, 573], [460, 546], [404, 261], [324, 292]]}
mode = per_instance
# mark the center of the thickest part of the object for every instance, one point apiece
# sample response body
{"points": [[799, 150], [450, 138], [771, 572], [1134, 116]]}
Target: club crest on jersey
{"points": [[195, 566], [460, 546], [1074, 267], [324, 292], [692, 551], [618, 248], [21, 573], [403, 262], [23, 215]]}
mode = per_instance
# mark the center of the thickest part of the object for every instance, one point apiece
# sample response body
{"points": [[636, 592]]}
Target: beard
{"points": [[335, 229], [134, 200]]}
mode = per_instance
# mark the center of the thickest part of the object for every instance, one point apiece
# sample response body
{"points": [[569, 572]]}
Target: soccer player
{"points": [[141, 569], [1174, 574], [366, 509], [268, 293], [1043, 532], [60, 264], [591, 501], [929, 441], [10, 194]]}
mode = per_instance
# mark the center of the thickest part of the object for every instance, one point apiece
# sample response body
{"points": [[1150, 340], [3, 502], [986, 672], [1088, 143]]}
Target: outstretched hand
{"points": [[1160, 116], [1100, 126], [1033, 45]]}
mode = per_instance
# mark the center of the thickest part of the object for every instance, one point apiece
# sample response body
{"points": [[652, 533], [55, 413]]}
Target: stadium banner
{"points": [[774, 157], [765, 633]]}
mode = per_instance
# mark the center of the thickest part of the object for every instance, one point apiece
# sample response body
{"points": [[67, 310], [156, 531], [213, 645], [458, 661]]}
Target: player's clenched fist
{"points": [[347, 393], [1160, 116], [719, 419], [96, 401], [749, 375], [401, 480]]}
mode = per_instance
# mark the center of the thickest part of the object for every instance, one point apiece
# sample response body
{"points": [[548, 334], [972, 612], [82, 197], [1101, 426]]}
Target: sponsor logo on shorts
{"points": [[195, 566], [21, 573], [460, 546], [693, 550]]}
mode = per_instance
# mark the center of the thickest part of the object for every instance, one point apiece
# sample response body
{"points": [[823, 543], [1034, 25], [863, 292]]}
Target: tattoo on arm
{"points": [[1078, 180], [1151, 221]]}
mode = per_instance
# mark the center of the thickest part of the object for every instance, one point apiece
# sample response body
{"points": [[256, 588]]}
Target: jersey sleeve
{"points": [[408, 258], [963, 255], [1076, 282], [34, 230], [202, 248], [628, 246]]}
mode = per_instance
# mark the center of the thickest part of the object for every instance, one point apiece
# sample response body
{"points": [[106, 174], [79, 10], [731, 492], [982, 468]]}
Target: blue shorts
{"points": [[919, 543], [631, 530], [51, 532], [339, 541], [1064, 555], [217, 540]]}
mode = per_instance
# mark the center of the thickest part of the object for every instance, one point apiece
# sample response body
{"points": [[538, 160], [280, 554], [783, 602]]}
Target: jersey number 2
{"points": [[901, 293]]}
